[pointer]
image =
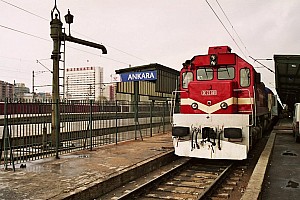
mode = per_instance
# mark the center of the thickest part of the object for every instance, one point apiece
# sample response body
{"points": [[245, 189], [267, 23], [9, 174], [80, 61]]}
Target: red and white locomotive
{"points": [[224, 107]]}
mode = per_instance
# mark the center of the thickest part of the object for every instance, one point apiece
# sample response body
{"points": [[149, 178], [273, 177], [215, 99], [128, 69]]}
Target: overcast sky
{"points": [[139, 32]]}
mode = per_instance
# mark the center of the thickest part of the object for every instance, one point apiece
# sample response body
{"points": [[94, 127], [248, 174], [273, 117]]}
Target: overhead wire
{"points": [[225, 28], [129, 54], [105, 57], [23, 9], [19, 59], [255, 60], [4, 67], [44, 66], [232, 26], [12, 29], [113, 47]]}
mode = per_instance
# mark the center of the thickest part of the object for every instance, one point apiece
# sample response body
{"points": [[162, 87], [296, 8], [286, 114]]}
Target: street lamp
{"points": [[69, 20]]}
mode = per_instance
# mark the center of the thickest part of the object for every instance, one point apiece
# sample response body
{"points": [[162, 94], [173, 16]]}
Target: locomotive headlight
{"points": [[213, 60], [194, 106], [224, 105]]}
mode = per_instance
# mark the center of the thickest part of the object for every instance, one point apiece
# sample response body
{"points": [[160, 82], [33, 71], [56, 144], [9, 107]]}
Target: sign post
{"points": [[135, 77]]}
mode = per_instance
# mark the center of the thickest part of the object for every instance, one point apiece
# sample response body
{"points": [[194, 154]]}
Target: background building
{"points": [[109, 91], [84, 83], [6, 90], [21, 90]]}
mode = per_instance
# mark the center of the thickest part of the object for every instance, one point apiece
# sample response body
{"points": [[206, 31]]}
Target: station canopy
{"points": [[287, 77]]}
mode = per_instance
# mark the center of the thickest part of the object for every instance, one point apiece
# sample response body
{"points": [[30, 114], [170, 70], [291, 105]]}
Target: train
{"points": [[224, 107]]}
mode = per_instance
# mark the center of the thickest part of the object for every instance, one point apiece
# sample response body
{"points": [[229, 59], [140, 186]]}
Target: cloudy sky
{"points": [[139, 32]]}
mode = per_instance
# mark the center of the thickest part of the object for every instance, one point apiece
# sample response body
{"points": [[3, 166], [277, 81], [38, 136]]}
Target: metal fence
{"points": [[27, 130]]}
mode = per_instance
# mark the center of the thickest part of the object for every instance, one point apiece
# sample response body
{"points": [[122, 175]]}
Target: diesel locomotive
{"points": [[224, 106]]}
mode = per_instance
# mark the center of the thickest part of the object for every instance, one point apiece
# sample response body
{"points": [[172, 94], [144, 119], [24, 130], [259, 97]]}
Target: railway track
{"points": [[183, 179]]}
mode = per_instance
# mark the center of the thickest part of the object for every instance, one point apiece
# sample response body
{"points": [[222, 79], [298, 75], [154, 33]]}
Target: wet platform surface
{"points": [[283, 176], [78, 171], [75, 172]]}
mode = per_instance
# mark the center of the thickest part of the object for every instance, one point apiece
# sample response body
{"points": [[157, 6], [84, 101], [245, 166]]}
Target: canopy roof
{"points": [[287, 78]]}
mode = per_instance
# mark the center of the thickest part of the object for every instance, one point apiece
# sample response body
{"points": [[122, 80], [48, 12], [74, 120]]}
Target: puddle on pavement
{"points": [[289, 153], [292, 184], [76, 156]]}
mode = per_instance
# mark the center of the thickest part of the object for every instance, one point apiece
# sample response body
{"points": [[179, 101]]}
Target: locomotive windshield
{"points": [[186, 78], [245, 77], [205, 74], [226, 73]]}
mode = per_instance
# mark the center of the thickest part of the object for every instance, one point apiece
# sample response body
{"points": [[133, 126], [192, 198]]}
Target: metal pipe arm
{"points": [[86, 43]]}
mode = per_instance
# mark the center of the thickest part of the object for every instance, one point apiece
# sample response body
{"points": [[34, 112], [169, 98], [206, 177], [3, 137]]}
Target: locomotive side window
{"points": [[204, 74], [225, 73], [186, 78], [245, 77]]}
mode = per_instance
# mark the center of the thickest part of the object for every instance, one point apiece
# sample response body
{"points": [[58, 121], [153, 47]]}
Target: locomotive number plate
{"points": [[209, 92]]}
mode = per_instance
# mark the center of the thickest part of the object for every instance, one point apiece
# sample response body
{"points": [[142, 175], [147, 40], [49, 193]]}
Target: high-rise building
{"points": [[84, 83], [6, 90]]}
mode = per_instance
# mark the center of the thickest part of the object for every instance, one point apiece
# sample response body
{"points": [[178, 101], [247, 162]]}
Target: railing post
{"points": [[164, 116], [116, 107], [57, 129], [7, 141], [151, 110], [5, 137], [45, 137], [91, 125]]}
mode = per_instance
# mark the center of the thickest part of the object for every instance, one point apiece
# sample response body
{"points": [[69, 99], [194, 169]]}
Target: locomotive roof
{"points": [[287, 78]]}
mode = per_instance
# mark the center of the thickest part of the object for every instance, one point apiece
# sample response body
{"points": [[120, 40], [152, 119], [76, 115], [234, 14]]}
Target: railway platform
{"points": [[277, 173], [89, 174], [86, 174]]}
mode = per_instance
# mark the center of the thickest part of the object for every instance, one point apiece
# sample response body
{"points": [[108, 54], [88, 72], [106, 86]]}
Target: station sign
{"points": [[137, 76]]}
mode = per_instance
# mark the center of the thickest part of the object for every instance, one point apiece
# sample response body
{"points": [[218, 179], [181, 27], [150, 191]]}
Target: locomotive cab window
{"points": [[245, 77], [226, 73], [186, 78], [205, 74]]}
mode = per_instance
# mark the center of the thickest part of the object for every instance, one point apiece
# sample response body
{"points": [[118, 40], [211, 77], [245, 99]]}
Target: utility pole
{"points": [[58, 36], [33, 84]]}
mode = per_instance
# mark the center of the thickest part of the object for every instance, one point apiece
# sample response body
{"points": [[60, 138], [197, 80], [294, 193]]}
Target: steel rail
{"points": [[203, 192], [214, 184], [137, 191]]}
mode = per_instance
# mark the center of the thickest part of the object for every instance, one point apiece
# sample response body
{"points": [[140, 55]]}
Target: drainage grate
{"points": [[289, 153], [292, 184]]}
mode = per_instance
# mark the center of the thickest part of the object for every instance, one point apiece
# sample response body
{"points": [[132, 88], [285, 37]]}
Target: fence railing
{"points": [[27, 130]]}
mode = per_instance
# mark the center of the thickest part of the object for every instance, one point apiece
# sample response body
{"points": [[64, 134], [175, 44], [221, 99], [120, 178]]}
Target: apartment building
{"points": [[84, 83], [6, 90]]}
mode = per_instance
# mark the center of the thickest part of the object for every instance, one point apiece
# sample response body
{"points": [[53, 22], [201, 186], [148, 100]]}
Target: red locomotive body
{"points": [[222, 93]]}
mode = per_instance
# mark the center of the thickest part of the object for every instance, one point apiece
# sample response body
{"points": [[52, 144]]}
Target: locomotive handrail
{"points": [[251, 101], [254, 120], [173, 107]]}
